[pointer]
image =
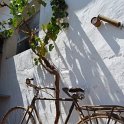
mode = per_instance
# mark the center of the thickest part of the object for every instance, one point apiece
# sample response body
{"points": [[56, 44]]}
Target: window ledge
{"points": [[4, 96]]}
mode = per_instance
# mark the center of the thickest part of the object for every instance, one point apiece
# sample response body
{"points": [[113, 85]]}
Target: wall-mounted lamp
{"points": [[96, 21]]}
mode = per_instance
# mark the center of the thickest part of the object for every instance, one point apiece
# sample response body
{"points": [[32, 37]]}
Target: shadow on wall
{"points": [[77, 5], [9, 85], [88, 70], [110, 34], [44, 108], [92, 69]]}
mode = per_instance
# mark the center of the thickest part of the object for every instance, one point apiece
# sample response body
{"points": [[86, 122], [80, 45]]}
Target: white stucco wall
{"points": [[4, 12], [86, 56]]}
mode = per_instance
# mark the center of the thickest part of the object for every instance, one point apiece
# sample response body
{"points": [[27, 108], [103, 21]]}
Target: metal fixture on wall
{"points": [[96, 21]]}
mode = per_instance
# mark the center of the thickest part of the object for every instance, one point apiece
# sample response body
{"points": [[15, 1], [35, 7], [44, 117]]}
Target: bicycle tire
{"points": [[102, 118], [15, 116]]}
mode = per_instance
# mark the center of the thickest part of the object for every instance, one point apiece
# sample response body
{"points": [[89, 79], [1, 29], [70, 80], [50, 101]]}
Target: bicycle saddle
{"points": [[73, 90]]}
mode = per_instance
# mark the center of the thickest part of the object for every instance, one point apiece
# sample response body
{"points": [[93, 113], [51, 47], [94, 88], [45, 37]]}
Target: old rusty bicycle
{"points": [[88, 114]]}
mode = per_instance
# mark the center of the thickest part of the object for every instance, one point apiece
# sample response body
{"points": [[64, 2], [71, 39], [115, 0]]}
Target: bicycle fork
{"points": [[28, 111]]}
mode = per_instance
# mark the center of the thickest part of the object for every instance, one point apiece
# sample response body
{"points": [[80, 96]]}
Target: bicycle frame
{"points": [[87, 113], [32, 108], [73, 98]]}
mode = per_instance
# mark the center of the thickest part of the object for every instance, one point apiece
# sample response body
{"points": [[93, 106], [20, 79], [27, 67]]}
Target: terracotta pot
{"points": [[96, 21]]}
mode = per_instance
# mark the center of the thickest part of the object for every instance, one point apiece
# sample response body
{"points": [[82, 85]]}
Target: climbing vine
{"points": [[57, 22], [40, 46], [52, 29]]}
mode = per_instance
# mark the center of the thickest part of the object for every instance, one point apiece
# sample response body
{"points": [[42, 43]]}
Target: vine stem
{"points": [[52, 70]]}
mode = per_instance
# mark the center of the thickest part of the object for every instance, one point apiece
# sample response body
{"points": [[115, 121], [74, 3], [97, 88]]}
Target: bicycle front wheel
{"points": [[16, 115], [102, 118]]}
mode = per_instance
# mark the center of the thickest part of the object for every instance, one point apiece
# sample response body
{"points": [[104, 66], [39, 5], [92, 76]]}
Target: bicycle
{"points": [[102, 114]]}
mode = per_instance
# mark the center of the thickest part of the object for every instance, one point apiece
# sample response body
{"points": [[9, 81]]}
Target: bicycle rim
{"points": [[15, 116], [102, 118]]}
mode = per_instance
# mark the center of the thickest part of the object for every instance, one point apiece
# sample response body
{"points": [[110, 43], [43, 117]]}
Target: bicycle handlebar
{"points": [[28, 82], [76, 91]]}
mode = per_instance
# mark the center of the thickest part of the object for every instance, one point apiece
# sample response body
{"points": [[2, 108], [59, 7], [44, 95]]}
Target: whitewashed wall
{"points": [[87, 57]]}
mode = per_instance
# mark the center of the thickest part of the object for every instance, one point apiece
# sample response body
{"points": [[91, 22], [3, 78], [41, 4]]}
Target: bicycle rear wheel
{"points": [[15, 116], [102, 118]]}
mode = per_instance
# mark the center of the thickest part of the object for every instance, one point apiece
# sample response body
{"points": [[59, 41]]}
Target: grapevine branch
{"points": [[52, 70]]}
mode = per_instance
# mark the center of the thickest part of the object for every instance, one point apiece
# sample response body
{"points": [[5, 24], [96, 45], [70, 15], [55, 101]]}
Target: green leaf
{"points": [[35, 59], [36, 62], [29, 13], [51, 47], [46, 39], [7, 33], [49, 26], [44, 27], [10, 32], [14, 22], [32, 45], [33, 9], [53, 36], [41, 49], [37, 39], [10, 21]]}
